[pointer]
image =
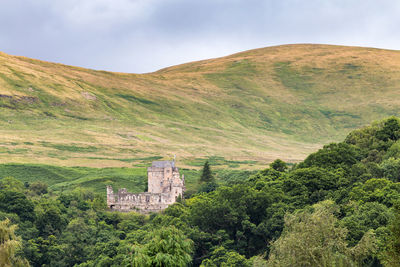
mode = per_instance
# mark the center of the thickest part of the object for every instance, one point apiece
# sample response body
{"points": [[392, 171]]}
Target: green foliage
{"points": [[166, 247], [310, 185], [392, 255], [38, 188], [17, 202], [206, 174], [332, 156], [393, 151], [278, 165], [224, 258], [248, 215], [391, 169], [9, 246], [390, 130], [49, 218], [11, 184], [313, 238], [361, 218], [77, 239], [208, 187], [380, 190]]}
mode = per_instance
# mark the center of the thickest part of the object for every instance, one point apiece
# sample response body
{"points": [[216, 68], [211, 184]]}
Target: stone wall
{"points": [[142, 202], [155, 179]]}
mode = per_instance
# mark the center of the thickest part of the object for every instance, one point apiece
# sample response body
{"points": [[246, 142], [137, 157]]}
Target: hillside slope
{"points": [[247, 108]]}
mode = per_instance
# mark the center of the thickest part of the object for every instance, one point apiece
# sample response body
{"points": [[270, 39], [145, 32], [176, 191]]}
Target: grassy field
{"points": [[242, 111], [61, 179]]}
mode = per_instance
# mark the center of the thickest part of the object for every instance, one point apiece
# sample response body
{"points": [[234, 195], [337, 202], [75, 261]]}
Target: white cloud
{"points": [[99, 14]]}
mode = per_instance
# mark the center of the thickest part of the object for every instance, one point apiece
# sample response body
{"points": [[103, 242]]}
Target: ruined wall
{"points": [[142, 202]]}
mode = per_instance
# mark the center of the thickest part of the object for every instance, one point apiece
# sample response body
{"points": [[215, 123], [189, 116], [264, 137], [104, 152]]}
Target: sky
{"points": [[139, 36]]}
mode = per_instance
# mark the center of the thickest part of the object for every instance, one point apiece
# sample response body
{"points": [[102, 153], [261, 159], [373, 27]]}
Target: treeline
{"points": [[339, 207]]}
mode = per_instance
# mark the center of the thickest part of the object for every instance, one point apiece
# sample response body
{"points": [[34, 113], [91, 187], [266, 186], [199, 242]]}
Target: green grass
{"points": [[217, 161], [73, 148], [298, 80], [132, 98]]}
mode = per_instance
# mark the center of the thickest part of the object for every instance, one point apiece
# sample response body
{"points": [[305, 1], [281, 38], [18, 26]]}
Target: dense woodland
{"points": [[339, 207]]}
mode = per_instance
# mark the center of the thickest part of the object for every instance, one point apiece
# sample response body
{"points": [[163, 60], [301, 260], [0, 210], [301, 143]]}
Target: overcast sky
{"points": [[145, 35]]}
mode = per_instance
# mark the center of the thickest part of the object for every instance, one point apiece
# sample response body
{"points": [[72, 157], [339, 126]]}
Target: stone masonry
{"points": [[164, 187]]}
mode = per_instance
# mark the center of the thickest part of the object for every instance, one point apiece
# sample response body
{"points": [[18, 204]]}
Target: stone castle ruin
{"points": [[164, 187]]}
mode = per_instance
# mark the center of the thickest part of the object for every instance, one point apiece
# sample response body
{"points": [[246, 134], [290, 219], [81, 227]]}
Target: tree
{"points": [[9, 244], [49, 218], [391, 169], [376, 190], [278, 165], [11, 184], [77, 241], [208, 187], [224, 258], [310, 185], [16, 202], [393, 151], [38, 188], [314, 238], [167, 247], [206, 174], [392, 255], [390, 130], [247, 215], [332, 156], [360, 218]]}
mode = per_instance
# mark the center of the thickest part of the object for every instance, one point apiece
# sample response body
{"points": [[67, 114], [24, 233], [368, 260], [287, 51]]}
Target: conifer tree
{"points": [[206, 174]]}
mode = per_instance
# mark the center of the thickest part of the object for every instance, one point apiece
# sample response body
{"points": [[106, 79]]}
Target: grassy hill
{"points": [[243, 110]]}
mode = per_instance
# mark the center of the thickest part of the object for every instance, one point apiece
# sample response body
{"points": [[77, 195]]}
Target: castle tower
{"points": [[161, 175]]}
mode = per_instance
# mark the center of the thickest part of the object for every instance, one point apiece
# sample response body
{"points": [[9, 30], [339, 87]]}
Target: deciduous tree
{"points": [[166, 247], [9, 244], [315, 239]]}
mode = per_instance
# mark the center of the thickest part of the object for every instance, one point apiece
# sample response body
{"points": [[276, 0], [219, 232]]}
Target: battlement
{"points": [[164, 187]]}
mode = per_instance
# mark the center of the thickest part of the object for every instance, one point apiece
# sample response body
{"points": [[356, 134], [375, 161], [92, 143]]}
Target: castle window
{"points": [[147, 198]]}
